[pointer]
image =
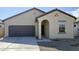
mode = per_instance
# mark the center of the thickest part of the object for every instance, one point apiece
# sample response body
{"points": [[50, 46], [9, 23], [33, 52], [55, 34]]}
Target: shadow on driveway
{"points": [[20, 40]]}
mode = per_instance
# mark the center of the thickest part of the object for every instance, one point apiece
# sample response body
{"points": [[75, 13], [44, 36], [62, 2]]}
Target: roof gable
{"points": [[23, 13], [59, 11]]}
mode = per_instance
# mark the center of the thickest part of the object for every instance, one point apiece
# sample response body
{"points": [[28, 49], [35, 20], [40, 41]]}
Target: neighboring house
{"points": [[76, 27], [1, 29], [34, 22]]}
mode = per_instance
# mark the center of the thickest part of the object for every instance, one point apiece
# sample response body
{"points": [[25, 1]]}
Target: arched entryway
{"points": [[45, 29]]}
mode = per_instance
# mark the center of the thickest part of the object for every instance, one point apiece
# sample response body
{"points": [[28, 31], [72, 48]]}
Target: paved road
{"points": [[19, 44]]}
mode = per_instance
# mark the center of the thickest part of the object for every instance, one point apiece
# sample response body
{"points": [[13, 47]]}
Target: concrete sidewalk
{"points": [[19, 44]]}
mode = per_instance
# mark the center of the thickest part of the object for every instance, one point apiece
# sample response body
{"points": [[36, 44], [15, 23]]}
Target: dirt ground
{"points": [[60, 45]]}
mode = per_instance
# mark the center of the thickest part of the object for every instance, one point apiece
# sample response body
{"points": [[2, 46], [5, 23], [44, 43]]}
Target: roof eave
{"points": [[23, 12], [57, 10]]}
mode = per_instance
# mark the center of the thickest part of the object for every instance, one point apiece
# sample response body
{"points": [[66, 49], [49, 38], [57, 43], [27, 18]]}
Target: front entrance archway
{"points": [[45, 29]]}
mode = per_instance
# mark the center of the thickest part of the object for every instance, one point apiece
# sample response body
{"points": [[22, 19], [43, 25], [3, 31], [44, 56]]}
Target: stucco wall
{"points": [[27, 18], [54, 25]]}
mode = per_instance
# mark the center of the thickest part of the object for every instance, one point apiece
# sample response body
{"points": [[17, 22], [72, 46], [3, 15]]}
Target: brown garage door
{"points": [[17, 31]]}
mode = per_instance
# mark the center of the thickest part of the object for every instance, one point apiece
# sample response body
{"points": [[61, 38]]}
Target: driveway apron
{"points": [[19, 44]]}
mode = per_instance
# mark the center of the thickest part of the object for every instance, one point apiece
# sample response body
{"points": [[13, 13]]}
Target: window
{"points": [[61, 26]]}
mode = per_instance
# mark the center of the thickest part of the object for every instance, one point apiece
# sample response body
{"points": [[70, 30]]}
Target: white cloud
{"points": [[75, 13]]}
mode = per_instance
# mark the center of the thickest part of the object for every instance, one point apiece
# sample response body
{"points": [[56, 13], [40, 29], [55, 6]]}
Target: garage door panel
{"points": [[21, 30]]}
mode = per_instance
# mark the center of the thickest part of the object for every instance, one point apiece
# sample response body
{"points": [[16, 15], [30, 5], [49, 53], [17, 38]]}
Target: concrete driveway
{"points": [[19, 44]]}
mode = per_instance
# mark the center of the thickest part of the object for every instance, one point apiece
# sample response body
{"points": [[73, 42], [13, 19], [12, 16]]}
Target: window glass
{"points": [[61, 26]]}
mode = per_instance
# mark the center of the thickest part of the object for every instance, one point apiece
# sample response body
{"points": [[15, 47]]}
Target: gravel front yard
{"points": [[59, 45]]}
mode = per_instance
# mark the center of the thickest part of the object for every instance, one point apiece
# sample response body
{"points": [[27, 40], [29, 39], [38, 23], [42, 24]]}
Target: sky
{"points": [[6, 12]]}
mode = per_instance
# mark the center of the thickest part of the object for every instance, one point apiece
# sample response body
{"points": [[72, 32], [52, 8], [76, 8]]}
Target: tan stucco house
{"points": [[54, 24]]}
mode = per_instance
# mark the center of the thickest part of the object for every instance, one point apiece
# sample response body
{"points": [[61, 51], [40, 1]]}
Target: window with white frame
{"points": [[62, 26]]}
